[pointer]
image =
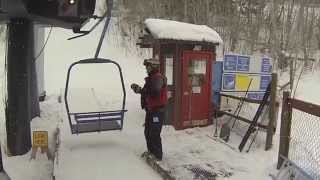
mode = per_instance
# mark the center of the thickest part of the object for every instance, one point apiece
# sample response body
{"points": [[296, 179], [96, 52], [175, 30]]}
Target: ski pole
{"points": [[258, 128], [254, 122], [241, 103], [216, 130], [253, 139]]}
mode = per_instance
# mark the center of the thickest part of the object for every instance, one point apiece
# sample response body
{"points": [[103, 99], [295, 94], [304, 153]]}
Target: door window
{"points": [[197, 72], [169, 69]]}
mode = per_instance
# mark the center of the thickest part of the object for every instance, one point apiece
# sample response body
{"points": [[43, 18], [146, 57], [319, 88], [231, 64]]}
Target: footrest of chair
{"points": [[96, 126]]}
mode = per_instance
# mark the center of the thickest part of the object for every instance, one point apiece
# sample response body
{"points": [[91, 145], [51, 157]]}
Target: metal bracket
{"points": [[84, 33]]}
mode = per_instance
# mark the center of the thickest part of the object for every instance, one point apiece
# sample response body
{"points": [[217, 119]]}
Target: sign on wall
{"points": [[264, 81], [242, 82], [228, 81], [265, 65], [235, 63], [255, 95], [255, 84], [243, 63], [230, 63], [239, 70]]}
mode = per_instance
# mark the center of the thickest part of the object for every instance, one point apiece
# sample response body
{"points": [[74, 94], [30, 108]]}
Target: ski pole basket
{"points": [[85, 122]]}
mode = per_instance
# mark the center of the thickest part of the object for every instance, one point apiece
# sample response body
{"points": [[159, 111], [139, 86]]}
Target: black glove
{"points": [[136, 88]]}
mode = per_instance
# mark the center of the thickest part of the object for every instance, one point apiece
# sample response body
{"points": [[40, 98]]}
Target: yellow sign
{"points": [[242, 82], [40, 139]]}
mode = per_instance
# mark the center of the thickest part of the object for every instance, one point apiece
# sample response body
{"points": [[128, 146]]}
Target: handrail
{"points": [[307, 107]]}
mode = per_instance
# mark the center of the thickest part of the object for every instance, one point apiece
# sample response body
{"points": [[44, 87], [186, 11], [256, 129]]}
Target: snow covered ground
{"points": [[4, 176], [113, 155], [202, 156]]}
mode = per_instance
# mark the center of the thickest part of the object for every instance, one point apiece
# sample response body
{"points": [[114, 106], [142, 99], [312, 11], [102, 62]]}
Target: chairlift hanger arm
{"points": [[108, 13]]}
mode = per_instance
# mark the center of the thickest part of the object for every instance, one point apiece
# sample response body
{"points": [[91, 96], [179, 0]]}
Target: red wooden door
{"points": [[196, 88]]}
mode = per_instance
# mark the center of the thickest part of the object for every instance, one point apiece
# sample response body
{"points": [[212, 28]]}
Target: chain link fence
{"points": [[299, 136], [304, 142]]}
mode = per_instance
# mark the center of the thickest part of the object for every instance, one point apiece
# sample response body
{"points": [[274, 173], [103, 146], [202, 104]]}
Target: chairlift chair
{"points": [[85, 122]]}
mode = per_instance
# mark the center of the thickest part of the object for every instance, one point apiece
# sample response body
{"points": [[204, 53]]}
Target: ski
{"points": [[256, 118], [222, 142], [239, 108]]}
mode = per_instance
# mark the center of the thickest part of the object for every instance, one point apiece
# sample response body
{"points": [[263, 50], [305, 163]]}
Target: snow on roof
{"points": [[167, 29]]}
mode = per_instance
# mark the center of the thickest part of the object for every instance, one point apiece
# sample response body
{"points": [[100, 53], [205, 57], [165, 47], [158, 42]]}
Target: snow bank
{"points": [[167, 29]]}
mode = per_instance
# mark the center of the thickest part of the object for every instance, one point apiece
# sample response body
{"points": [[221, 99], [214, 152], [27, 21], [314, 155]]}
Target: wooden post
{"points": [[286, 116], [272, 112]]}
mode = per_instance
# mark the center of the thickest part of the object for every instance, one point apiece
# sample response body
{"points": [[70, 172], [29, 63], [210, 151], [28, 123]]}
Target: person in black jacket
{"points": [[153, 101]]}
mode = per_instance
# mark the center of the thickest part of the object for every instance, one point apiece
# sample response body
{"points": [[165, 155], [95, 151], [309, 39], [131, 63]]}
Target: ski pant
{"points": [[152, 131]]}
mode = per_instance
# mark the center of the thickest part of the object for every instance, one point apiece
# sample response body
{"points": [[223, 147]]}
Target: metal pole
{"points": [[19, 85], [109, 9], [39, 33]]}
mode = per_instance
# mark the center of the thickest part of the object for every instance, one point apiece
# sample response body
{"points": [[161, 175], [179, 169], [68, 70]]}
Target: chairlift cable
{"points": [[44, 45], [4, 89], [295, 90]]}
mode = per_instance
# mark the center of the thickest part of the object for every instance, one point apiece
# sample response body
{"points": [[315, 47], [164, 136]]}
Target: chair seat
{"points": [[97, 121], [96, 126], [103, 116]]}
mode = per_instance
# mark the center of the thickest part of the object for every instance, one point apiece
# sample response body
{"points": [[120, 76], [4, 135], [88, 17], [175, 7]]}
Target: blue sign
{"points": [[216, 82], [265, 65], [264, 82], [255, 96], [243, 63], [230, 63], [229, 81]]}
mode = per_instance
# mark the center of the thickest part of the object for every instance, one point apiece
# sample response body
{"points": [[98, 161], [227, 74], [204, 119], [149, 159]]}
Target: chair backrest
{"points": [[94, 115]]}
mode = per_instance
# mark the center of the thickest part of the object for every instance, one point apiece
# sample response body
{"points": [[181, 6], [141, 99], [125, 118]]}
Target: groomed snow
{"points": [[167, 29]]}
